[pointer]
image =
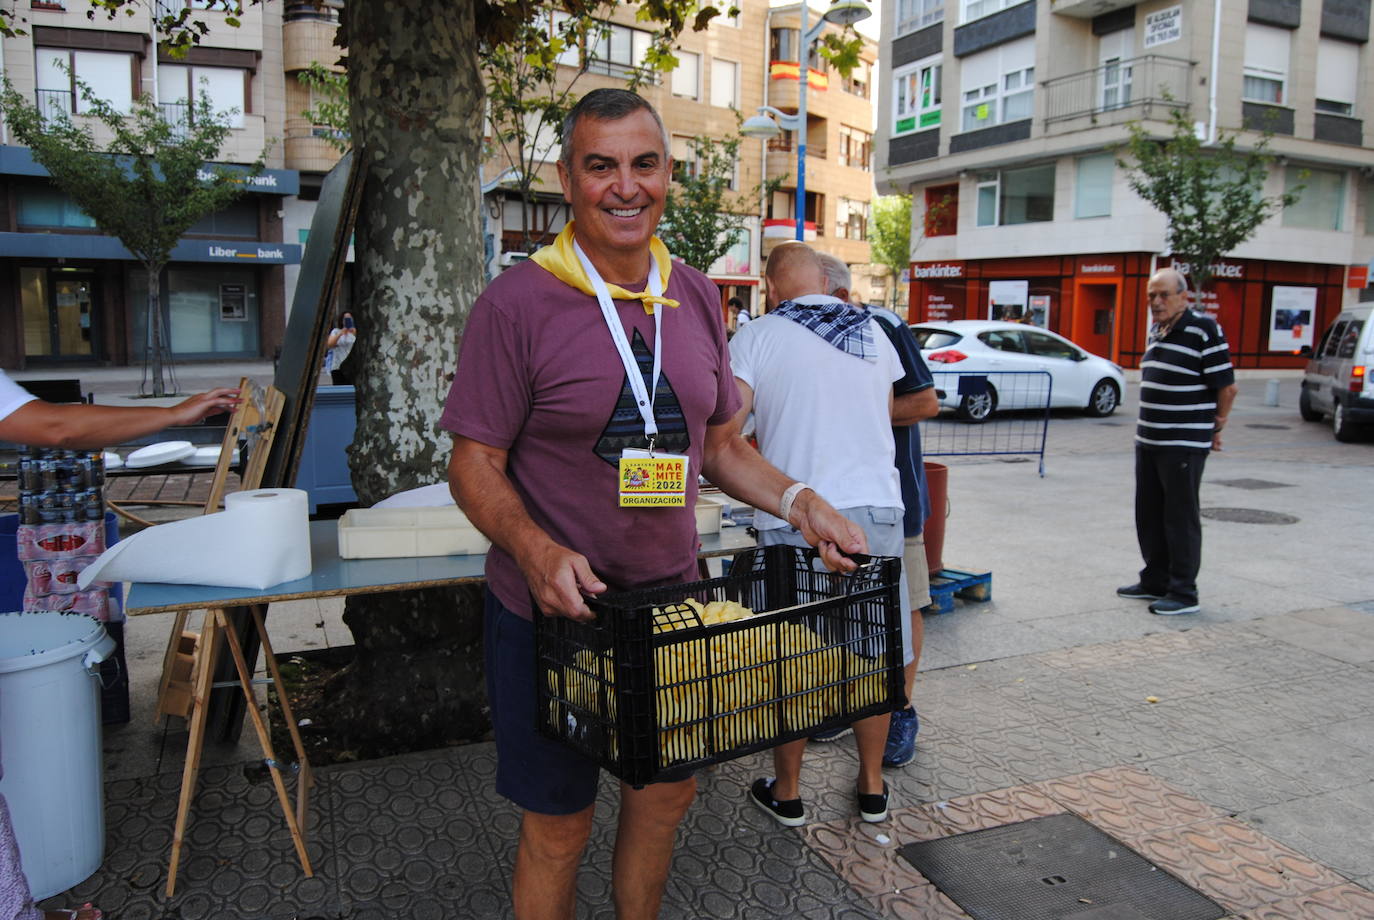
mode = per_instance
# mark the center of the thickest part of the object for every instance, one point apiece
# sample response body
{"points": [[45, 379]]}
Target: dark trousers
{"points": [[1168, 519]]}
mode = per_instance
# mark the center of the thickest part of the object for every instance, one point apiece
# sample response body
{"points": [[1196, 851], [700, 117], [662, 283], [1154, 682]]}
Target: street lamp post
{"points": [[841, 12]]}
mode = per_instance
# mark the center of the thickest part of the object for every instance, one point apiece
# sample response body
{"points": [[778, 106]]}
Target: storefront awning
{"points": [[78, 246], [19, 161]]}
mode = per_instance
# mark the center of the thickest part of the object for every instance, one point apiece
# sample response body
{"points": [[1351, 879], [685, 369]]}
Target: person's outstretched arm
{"points": [[45, 424]]}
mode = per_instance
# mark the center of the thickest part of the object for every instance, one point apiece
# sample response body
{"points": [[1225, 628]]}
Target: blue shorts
{"points": [[534, 772]]}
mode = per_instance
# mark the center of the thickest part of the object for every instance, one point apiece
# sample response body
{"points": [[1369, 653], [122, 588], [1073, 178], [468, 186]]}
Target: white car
{"points": [[974, 363]]}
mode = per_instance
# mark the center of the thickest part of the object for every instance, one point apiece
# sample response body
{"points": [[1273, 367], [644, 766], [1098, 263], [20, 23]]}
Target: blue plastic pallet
{"points": [[946, 584]]}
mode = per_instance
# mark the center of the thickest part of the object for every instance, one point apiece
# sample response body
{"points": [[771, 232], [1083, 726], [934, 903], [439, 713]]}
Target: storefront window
{"points": [[209, 310], [48, 207], [239, 219]]}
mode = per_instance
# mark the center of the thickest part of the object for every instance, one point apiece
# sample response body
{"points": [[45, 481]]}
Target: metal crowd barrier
{"points": [[1014, 407]]}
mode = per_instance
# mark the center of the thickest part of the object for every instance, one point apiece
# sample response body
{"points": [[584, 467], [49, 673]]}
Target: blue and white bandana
{"points": [[844, 326]]}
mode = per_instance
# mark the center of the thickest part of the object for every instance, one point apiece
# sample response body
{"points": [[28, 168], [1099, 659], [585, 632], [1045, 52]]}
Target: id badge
{"points": [[652, 481]]}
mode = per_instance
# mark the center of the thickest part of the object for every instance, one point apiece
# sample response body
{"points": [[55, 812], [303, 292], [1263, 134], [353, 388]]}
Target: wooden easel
{"points": [[255, 419], [215, 627], [189, 663]]}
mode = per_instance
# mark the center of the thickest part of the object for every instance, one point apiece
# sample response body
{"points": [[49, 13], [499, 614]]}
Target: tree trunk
{"points": [[155, 329], [416, 112]]}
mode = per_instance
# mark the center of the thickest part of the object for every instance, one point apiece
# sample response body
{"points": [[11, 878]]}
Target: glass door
{"points": [[59, 313]]}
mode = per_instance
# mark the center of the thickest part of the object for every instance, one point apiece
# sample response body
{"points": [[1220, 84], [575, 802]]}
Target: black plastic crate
{"points": [[652, 695]]}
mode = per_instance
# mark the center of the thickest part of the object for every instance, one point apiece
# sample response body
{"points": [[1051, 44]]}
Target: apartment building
{"points": [[724, 73], [1005, 122], [69, 293]]}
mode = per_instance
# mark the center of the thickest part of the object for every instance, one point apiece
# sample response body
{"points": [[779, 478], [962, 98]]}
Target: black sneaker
{"points": [[788, 814], [873, 808], [1172, 606], [1136, 593]]}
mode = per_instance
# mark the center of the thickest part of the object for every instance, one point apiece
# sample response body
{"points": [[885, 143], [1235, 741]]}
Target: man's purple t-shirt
{"points": [[539, 377]]}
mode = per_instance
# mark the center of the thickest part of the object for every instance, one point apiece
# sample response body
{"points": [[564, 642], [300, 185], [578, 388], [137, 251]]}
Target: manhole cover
{"points": [[1054, 868], [1268, 427], [1248, 516], [1252, 484], [1112, 424]]}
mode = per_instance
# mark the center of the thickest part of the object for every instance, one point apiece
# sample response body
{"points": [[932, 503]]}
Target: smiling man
{"points": [[596, 349]]}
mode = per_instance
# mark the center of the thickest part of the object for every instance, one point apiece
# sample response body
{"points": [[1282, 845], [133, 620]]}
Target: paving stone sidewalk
{"points": [[1248, 775]]}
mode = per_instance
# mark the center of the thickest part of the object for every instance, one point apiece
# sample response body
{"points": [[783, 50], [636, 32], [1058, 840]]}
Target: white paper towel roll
{"points": [[261, 538]]}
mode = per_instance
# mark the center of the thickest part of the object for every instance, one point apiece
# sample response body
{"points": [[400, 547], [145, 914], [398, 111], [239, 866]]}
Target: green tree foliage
{"points": [[329, 103], [702, 218], [146, 186], [1209, 195], [889, 237], [529, 94]]}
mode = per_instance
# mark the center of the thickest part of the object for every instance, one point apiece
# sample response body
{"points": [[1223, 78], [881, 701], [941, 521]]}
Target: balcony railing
{"points": [[309, 11], [178, 116], [1135, 83], [52, 103]]}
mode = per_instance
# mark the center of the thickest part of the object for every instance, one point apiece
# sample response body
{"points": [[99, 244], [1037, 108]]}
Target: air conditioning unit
{"points": [[508, 259]]}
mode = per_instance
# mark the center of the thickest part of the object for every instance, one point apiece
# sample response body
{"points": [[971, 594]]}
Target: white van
{"points": [[1335, 382]]}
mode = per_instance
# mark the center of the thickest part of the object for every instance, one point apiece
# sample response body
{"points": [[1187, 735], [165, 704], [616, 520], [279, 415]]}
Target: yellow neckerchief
{"points": [[559, 260]]}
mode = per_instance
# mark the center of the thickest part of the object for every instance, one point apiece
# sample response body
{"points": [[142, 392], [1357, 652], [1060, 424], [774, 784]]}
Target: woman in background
{"points": [[339, 345]]}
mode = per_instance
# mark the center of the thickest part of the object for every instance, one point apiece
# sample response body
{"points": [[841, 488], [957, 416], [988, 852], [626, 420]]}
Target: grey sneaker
{"points": [[1136, 593], [833, 734], [1171, 606]]}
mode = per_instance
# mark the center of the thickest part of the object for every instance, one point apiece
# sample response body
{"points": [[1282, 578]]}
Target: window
{"points": [[999, 85], [1093, 195], [851, 219], [684, 159], [917, 97], [856, 148], [1338, 73], [1115, 51], [724, 83], [108, 75], [687, 75], [917, 14], [1016, 196], [977, 9], [563, 26], [942, 210], [1003, 340], [177, 84], [1322, 203], [857, 82], [542, 138], [47, 207], [1346, 347], [783, 45], [1048, 346], [1266, 64], [617, 50]]}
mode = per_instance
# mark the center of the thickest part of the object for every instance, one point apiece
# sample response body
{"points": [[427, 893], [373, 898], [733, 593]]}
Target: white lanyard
{"points": [[643, 397]]}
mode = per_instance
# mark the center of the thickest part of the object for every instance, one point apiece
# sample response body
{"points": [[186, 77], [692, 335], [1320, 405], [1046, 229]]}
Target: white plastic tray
{"points": [[162, 452], [378, 533]]}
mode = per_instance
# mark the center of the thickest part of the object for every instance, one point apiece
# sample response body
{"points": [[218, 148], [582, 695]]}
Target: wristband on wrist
{"points": [[789, 495]]}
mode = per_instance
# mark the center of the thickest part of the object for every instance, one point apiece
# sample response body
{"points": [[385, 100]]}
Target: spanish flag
{"points": [[789, 70]]}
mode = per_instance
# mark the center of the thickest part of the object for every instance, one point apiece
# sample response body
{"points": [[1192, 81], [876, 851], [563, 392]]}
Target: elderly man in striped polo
{"points": [[1186, 391]]}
